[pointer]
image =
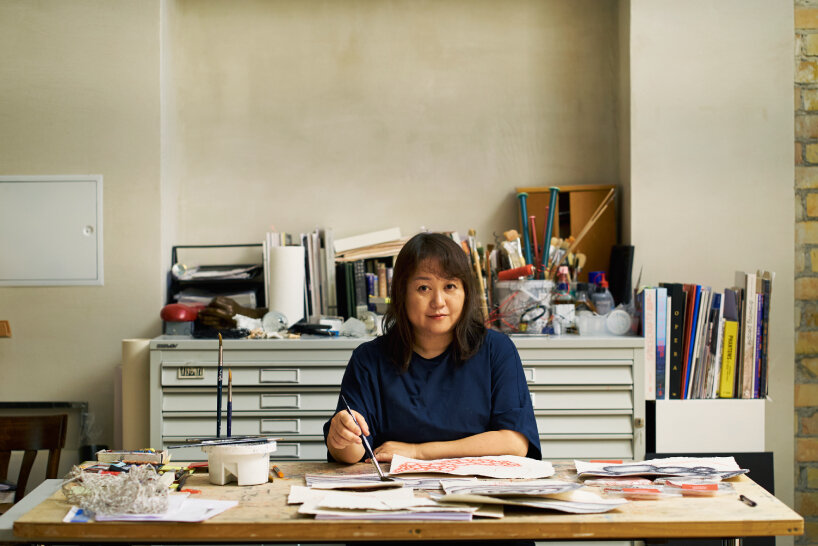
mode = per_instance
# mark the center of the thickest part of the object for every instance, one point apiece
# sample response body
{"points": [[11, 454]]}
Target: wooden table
{"points": [[263, 515]]}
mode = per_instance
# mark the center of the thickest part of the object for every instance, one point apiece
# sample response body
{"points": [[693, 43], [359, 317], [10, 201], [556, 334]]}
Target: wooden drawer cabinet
{"points": [[586, 392]]}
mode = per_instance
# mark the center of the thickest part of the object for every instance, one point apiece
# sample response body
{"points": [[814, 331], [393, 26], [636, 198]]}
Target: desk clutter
{"points": [[458, 489], [527, 283]]}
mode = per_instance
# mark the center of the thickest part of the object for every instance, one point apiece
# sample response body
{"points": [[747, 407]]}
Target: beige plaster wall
{"points": [[363, 115], [79, 94], [711, 164]]}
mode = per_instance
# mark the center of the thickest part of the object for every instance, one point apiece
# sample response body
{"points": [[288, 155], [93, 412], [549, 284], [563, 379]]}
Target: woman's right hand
{"points": [[343, 432]]}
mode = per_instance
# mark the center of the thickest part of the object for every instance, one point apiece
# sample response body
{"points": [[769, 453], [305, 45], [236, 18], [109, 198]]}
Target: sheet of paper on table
{"points": [[180, 508], [575, 501], [373, 481], [492, 466], [699, 467]]}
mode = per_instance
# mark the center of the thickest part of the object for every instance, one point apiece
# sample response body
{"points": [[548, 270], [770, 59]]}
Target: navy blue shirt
{"points": [[435, 400]]}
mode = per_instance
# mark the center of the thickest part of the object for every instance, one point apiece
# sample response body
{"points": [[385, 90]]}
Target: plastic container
{"points": [[248, 464], [602, 298]]}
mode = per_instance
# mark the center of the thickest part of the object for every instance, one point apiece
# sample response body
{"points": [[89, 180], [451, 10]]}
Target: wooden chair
{"points": [[30, 434]]}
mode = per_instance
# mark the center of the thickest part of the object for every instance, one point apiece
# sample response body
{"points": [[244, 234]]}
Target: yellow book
{"points": [[728, 363]]}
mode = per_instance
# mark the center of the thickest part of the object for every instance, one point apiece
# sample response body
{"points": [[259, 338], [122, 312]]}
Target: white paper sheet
{"points": [[508, 488], [180, 508], [723, 467], [492, 466]]}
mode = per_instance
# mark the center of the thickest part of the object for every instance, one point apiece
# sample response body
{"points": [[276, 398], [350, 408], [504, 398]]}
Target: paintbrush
{"points": [[478, 271], [229, 402], [366, 445], [219, 391]]}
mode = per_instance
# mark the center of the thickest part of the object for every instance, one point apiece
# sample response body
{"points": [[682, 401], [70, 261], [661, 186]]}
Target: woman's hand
{"points": [[343, 432], [387, 450]]}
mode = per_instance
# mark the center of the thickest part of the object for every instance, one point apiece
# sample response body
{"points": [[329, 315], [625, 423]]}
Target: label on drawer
{"points": [[280, 425], [529, 374], [280, 401], [278, 375], [190, 372]]}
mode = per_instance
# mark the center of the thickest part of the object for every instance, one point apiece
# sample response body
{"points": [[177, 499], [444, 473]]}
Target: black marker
{"points": [[748, 502]]}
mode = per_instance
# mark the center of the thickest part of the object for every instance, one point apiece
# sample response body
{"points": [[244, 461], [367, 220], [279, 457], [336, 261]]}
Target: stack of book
{"points": [[700, 343]]}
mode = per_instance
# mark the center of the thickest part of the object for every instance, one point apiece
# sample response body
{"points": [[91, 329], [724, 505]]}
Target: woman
{"points": [[437, 384]]}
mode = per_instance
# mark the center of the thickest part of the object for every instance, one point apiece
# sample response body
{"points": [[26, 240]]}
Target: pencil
{"points": [[219, 391], [278, 471], [229, 401]]}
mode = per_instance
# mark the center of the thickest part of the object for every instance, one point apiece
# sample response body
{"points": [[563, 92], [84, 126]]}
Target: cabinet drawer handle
{"points": [[280, 401], [529, 374], [280, 425], [287, 451], [279, 375]]}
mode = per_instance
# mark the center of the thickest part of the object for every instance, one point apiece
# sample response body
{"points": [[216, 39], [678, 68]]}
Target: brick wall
{"points": [[806, 267]]}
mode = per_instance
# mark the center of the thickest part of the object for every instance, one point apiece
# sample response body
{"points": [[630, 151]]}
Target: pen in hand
{"points": [[366, 443]]}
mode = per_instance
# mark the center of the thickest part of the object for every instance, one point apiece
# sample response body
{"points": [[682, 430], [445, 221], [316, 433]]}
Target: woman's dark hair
{"points": [[441, 252]]}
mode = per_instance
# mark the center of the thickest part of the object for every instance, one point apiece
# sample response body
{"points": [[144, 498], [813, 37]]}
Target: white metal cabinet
{"points": [[586, 392]]}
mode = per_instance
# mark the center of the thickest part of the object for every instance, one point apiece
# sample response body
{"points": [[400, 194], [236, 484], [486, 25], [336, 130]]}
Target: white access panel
{"points": [[51, 230]]}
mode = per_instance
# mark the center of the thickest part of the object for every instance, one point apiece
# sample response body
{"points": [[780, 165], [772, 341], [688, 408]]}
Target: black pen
{"points": [[748, 502], [366, 443]]}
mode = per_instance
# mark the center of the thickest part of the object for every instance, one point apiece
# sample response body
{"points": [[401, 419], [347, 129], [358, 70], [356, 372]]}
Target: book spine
{"points": [[759, 337], [676, 343], [728, 365], [661, 341], [766, 285], [649, 328], [691, 340], [749, 336], [717, 352]]}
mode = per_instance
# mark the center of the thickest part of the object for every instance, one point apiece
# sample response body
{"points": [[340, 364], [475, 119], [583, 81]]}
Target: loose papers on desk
{"points": [[373, 481], [566, 497], [491, 466], [385, 504], [180, 508], [699, 467]]}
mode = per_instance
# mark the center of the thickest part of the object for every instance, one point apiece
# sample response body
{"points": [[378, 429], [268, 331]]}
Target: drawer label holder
{"points": [[190, 372]]}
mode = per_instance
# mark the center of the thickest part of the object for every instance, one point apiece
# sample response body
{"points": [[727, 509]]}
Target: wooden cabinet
{"points": [[587, 393]]}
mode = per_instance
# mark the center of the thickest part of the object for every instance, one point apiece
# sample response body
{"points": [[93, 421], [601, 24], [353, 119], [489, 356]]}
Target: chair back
{"points": [[30, 434]]}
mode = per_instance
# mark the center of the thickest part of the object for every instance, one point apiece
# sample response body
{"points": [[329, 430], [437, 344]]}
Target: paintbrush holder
{"points": [[247, 464]]}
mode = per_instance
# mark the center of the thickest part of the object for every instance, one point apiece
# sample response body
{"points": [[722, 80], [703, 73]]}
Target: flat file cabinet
{"points": [[587, 393]]}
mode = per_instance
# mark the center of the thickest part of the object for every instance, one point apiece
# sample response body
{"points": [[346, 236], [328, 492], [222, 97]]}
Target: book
{"points": [[676, 341], [757, 358], [691, 297], [661, 341], [766, 289], [748, 333], [649, 332], [133, 457], [711, 347], [717, 352], [667, 347], [729, 345], [690, 338], [698, 342]]}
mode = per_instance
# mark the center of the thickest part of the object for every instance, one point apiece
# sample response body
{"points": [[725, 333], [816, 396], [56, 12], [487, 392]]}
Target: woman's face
{"points": [[433, 303]]}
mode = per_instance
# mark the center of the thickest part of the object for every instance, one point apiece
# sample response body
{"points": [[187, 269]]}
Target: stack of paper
{"points": [[544, 494], [723, 467], [398, 503]]}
